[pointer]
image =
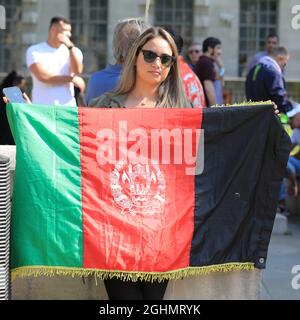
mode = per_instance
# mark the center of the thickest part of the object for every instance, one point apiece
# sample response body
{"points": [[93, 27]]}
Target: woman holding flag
{"points": [[150, 79]]}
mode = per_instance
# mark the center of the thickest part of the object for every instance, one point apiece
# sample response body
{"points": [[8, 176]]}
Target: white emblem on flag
{"points": [[138, 188]]}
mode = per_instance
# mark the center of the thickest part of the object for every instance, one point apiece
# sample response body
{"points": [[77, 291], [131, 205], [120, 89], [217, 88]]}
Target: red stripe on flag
{"points": [[135, 217]]}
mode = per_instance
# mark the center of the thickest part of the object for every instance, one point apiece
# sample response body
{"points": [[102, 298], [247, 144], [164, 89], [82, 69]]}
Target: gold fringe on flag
{"points": [[37, 271], [244, 104]]}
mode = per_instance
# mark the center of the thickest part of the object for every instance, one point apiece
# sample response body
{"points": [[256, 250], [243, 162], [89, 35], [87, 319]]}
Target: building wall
{"points": [[118, 10], [35, 21], [47, 10], [211, 18], [220, 19], [289, 37]]}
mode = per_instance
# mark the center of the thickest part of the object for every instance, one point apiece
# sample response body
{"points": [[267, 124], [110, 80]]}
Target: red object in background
{"points": [[192, 85]]}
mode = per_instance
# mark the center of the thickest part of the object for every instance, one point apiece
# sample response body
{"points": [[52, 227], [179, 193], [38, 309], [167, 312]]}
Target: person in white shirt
{"points": [[55, 65]]}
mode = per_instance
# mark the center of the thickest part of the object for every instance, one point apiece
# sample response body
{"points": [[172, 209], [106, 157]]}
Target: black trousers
{"points": [[140, 290]]}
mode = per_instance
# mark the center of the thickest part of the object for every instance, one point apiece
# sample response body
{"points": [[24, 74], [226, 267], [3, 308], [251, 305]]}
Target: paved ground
{"points": [[284, 253]]}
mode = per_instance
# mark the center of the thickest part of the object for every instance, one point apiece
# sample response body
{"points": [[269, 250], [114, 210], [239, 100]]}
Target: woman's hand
{"points": [[79, 82], [26, 98], [293, 187], [276, 111]]}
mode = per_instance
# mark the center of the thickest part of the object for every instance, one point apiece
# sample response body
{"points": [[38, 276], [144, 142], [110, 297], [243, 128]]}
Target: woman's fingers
{"points": [[26, 98], [276, 111]]}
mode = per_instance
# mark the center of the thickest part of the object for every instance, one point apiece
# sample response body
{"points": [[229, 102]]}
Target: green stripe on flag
{"points": [[46, 232]]}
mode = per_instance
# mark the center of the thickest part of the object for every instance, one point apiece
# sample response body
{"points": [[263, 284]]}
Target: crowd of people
{"points": [[150, 71]]}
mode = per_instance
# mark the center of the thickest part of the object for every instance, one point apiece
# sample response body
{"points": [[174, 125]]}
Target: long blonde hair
{"points": [[171, 93]]}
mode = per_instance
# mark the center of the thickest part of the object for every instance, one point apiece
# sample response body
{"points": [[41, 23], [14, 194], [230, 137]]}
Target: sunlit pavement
{"points": [[283, 255]]}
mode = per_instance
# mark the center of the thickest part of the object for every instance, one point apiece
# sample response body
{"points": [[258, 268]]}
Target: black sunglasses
{"points": [[150, 56]]}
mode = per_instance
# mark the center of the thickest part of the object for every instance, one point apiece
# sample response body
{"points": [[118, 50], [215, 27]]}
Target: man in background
{"points": [[194, 53], [205, 68], [265, 81], [192, 86], [125, 32], [272, 41], [54, 65]]}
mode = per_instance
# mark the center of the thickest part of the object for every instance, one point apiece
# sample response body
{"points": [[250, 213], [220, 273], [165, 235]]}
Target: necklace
{"points": [[141, 101]]}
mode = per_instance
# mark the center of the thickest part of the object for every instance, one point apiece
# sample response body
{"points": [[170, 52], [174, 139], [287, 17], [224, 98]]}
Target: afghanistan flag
{"points": [[144, 193]]}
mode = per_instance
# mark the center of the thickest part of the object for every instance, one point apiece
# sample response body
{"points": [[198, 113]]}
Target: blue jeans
{"points": [[293, 168]]}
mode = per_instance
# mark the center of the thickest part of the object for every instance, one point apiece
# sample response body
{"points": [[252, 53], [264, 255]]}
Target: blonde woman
{"points": [[150, 79]]}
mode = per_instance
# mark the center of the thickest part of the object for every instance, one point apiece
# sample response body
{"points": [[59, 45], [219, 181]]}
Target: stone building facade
{"points": [[241, 25]]}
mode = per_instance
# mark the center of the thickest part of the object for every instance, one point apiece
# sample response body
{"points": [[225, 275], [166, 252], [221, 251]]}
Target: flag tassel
{"points": [[36, 271]]}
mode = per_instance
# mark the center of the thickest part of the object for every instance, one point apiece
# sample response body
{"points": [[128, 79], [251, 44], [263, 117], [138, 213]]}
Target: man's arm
{"points": [[44, 76], [276, 88], [76, 64], [210, 92], [205, 71]]}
